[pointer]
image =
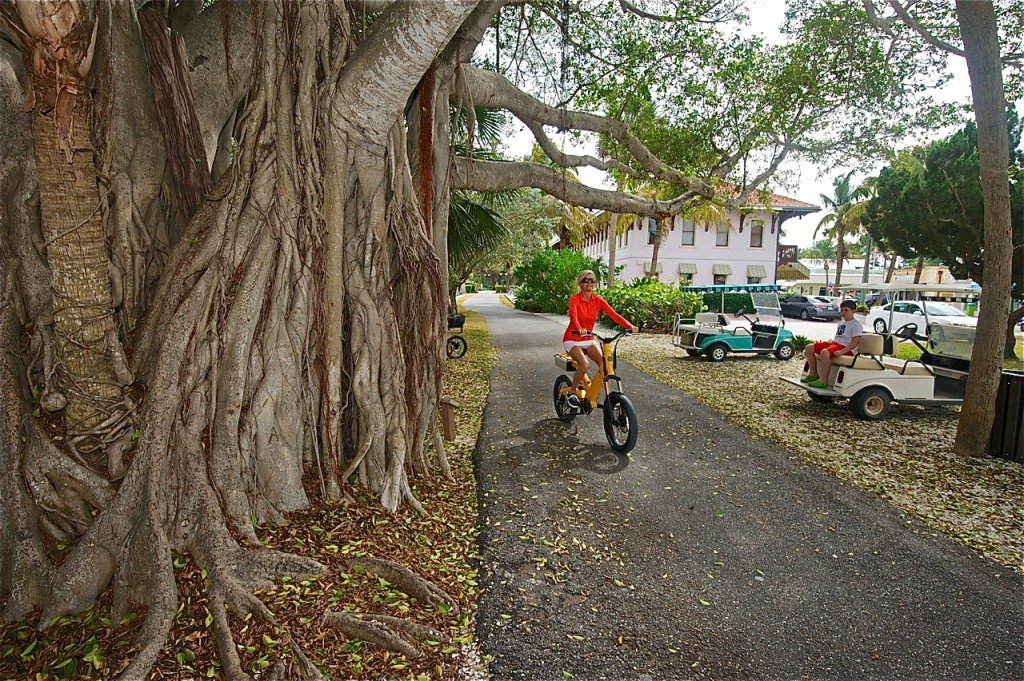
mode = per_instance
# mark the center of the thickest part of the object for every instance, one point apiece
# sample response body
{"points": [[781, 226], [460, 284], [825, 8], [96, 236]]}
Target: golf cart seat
{"points": [[905, 367], [703, 323], [868, 355]]}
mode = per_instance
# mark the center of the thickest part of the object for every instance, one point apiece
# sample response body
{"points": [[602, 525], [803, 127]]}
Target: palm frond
{"points": [[473, 229]]}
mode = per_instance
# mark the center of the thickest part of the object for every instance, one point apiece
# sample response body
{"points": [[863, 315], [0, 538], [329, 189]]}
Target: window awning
{"points": [[687, 268], [794, 271], [757, 271], [721, 269]]}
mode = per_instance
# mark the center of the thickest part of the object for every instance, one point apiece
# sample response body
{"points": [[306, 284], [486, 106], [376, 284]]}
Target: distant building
{"points": [[740, 251]]}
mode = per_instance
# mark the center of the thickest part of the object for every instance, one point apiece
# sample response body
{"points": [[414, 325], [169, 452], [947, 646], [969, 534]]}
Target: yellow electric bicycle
{"points": [[620, 425]]}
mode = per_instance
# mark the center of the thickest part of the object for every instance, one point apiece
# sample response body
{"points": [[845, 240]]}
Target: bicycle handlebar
{"points": [[603, 339]]}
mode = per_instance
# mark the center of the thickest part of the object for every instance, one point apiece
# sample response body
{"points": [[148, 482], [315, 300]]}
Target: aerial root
{"points": [[230, 588], [392, 633], [406, 580], [368, 628]]}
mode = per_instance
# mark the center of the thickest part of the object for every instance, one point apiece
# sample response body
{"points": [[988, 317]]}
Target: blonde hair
{"points": [[582, 275]]}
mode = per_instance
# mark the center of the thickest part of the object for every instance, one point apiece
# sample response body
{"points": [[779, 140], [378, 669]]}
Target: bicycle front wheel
{"points": [[564, 412], [455, 347], [620, 423]]}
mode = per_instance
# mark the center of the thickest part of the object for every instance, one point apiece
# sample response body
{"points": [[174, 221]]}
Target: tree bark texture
{"points": [[89, 370], [293, 340], [981, 47]]}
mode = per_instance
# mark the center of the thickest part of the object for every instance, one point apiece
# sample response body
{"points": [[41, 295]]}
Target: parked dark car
{"points": [[876, 299], [810, 307]]}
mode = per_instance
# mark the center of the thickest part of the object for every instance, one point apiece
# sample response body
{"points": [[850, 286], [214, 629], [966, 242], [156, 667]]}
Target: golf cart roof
{"points": [[731, 288], [963, 289]]}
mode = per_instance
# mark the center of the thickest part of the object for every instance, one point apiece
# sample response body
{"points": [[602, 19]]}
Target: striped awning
{"points": [[757, 271], [687, 268], [721, 269]]}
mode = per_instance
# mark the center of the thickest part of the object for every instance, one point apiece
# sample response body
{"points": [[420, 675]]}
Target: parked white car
{"points": [[910, 312]]}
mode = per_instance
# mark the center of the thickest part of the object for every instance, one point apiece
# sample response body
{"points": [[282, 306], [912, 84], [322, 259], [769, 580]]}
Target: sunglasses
{"points": [[588, 280]]}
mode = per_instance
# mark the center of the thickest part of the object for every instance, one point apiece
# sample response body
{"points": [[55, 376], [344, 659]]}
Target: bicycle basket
{"points": [[456, 321]]}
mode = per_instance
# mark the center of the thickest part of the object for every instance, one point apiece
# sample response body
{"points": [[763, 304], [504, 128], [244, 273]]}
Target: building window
{"points": [[753, 280], [626, 239], [685, 279], [689, 233], [756, 233], [652, 231], [722, 236], [720, 278]]}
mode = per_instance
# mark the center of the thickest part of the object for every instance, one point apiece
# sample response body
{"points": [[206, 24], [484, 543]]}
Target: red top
{"points": [[583, 315]]}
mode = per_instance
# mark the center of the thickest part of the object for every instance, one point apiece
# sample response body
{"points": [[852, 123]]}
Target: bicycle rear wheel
{"points": [[620, 425], [563, 411]]}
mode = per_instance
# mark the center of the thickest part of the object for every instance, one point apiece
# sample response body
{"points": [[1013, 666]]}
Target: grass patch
{"points": [[908, 350], [906, 459], [441, 546]]}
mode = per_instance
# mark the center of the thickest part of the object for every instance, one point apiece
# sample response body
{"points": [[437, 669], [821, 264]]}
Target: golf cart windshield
{"points": [[767, 307]]}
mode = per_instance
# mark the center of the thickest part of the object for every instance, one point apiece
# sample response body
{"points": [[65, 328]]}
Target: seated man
{"points": [[819, 356]]}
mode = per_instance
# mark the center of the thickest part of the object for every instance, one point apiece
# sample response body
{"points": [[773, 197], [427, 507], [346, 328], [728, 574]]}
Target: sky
{"points": [[810, 181]]}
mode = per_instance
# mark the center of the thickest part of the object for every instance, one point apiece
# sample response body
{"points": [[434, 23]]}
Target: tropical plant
{"points": [[548, 278], [652, 303]]}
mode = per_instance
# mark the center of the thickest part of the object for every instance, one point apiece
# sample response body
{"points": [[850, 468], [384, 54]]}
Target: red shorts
{"points": [[831, 346]]}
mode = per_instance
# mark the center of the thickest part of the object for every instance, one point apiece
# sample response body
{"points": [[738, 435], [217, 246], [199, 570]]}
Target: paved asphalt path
{"points": [[707, 553]]}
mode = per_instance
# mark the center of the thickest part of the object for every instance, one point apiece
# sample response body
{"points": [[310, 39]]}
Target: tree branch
{"points": [[496, 176], [916, 27], [381, 75], [493, 90]]}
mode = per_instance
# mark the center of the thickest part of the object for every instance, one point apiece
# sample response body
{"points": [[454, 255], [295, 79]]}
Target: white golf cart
{"points": [[874, 378]]}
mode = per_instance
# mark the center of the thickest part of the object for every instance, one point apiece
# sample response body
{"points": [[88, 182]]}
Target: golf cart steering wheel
{"points": [[907, 331], [742, 312]]}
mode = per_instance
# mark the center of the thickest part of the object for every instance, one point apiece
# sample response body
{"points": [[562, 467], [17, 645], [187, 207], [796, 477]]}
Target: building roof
{"points": [[765, 199]]}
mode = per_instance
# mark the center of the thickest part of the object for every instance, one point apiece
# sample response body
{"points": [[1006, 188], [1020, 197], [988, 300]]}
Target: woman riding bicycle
{"points": [[584, 307]]}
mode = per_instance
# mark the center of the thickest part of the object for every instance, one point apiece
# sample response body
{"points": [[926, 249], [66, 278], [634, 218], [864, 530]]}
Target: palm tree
{"points": [[846, 209]]}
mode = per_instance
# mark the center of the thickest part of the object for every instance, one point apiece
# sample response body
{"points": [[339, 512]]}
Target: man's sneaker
{"points": [[573, 401], [808, 378], [817, 384]]}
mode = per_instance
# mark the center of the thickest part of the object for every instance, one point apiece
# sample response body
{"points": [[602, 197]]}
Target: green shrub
{"points": [[470, 287], [548, 278], [500, 288], [861, 307], [652, 303], [801, 342], [733, 302]]}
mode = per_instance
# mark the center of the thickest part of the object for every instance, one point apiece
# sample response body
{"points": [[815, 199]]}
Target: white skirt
{"points": [[569, 345]]}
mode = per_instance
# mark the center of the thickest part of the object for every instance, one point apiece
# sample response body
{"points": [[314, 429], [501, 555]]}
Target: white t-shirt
{"points": [[848, 330]]}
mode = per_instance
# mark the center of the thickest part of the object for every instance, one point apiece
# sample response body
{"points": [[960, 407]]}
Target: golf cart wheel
{"points": [[693, 353], [879, 326], [620, 423], [871, 404], [455, 347], [563, 411], [717, 352], [785, 351], [804, 316], [821, 399]]}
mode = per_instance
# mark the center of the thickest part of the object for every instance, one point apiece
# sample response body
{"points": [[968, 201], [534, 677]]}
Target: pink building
{"points": [[742, 251]]}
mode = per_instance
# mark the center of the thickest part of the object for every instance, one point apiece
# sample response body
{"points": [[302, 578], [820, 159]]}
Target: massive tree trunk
{"points": [[981, 47], [294, 337]]}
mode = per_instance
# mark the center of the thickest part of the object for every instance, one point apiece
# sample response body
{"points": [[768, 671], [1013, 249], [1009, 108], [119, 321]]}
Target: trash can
{"points": [[1007, 438], [970, 309]]}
